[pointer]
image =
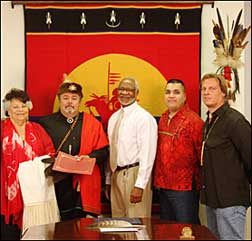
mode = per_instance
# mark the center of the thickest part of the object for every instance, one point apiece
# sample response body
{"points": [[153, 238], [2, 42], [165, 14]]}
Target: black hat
{"points": [[70, 87]]}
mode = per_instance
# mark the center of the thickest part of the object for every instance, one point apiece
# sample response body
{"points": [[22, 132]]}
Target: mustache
{"points": [[70, 109], [69, 106]]}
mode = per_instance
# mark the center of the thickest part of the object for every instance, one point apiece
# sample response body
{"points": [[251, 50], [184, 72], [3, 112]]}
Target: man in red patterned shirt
{"points": [[177, 166]]}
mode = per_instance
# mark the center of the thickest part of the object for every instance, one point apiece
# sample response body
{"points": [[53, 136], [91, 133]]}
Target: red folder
{"points": [[72, 164]]}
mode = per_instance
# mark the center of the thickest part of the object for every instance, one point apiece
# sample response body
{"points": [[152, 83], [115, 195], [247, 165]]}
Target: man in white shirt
{"points": [[133, 144]]}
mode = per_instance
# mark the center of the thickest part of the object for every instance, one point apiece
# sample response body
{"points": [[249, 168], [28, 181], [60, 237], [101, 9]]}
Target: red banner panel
{"points": [[97, 45]]}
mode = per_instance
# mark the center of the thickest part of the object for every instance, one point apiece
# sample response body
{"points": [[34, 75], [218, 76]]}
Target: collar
{"points": [[181, 112], [129, 109], [220, 110], [62, 117]]}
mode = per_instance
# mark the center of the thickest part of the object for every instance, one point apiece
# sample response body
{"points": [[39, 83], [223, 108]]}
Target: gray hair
{"points": [[16, 94], [131, 79]]}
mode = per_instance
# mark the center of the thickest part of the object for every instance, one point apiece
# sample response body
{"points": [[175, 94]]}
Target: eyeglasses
{"points": [[126, 90]]}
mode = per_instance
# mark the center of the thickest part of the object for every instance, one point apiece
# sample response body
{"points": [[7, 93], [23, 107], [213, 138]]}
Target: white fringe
{"points": [[40, 213]]}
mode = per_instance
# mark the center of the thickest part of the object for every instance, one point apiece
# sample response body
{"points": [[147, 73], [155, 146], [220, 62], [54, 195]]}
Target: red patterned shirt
{"points": [[177, 162]]}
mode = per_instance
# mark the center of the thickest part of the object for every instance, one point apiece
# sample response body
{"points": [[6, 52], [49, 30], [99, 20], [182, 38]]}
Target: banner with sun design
{"points": [[96, 45]]}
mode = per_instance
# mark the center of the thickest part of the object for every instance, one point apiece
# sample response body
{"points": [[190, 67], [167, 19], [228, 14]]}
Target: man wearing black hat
{"points": [[77, 195]]}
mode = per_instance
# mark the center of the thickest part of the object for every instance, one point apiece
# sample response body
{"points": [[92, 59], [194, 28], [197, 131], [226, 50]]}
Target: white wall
{"points": [[247, 99], [13, 55], [12, 48]]}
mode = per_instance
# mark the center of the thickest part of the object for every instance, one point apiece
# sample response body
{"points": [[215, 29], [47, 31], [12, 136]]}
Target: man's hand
{"points": [[107, 191], [81, 156], [136, 195]]}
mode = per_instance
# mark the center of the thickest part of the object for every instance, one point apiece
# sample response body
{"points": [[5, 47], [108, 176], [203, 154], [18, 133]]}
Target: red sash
{"points": [[93, 138]]}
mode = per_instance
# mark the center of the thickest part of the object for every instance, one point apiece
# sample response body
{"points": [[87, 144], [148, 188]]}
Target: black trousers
{"points": [[69, 200], [9, 231]]}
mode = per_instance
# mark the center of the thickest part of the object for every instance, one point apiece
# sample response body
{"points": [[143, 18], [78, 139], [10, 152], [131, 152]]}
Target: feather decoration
{"points": [[221, 24], [228, 49], [231, 47], [228, 32], [237, 22], [244, 33]]}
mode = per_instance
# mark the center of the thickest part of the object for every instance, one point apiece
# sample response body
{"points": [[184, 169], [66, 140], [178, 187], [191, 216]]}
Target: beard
{"points": [[70, 110]]}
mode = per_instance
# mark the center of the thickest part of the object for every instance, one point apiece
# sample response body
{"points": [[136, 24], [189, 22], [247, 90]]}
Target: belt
{"points": [[127, 166]]}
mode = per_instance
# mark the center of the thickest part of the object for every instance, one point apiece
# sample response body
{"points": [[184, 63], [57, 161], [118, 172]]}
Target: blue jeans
{"points": [[179, 206], [227, 223]]}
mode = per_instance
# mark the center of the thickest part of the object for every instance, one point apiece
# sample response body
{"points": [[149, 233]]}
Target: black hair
{"points": [[176, 81], [17, 94]]}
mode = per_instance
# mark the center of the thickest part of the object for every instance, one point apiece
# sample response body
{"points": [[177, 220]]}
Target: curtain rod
{"points": [[107, 2]]}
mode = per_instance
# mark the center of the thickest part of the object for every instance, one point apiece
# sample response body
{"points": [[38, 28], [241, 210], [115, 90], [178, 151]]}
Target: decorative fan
{"points": [[228, 49]]}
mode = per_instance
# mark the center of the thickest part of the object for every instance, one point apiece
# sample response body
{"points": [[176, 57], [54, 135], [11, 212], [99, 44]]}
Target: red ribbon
{"points": [[227, 75]]}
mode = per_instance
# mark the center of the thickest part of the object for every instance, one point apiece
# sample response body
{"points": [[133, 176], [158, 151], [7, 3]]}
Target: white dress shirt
{"points": [[137, 141]]}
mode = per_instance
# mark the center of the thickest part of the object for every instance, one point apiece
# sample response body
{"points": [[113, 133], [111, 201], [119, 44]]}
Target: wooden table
{"points": [[76, 229]]}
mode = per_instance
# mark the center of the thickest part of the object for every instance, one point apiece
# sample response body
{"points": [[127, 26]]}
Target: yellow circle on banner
{"points": [[100, 75]]}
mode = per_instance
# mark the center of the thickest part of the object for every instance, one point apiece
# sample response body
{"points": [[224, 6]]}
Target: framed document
{"points": [[73, 164]]}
